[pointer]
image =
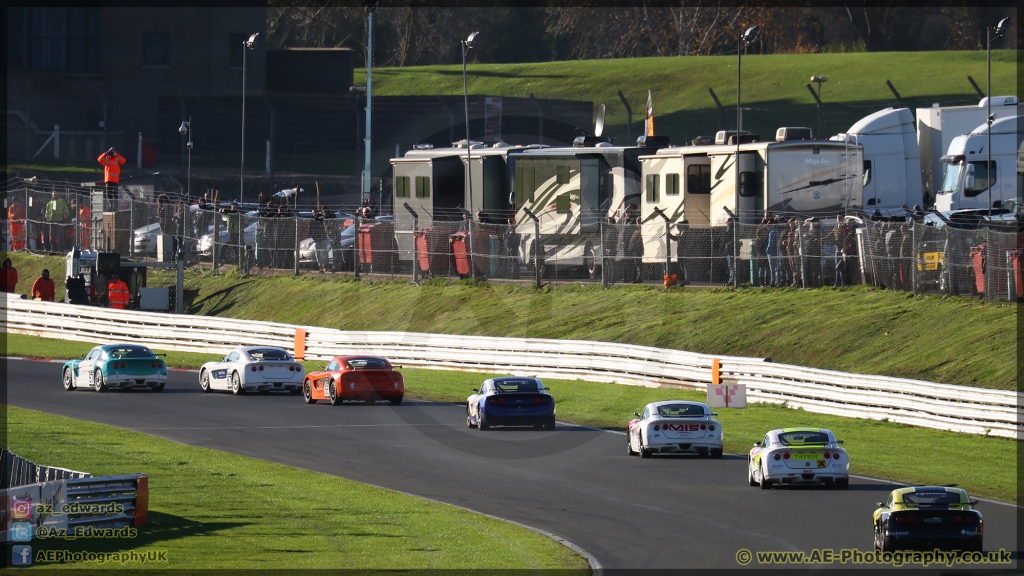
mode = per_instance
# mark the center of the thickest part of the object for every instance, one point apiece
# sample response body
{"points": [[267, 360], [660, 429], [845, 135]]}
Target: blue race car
{"points": [[116, 366], [511, 401]]}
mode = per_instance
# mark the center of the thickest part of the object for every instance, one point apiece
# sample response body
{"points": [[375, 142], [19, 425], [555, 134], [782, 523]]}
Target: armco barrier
{"points": [[912, 402]]}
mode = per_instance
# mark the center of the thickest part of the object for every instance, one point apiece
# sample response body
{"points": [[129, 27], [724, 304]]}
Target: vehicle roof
{"points": [[248, 348], [911, 489], [109, 346], [887, 121], [801, 429], [680, 151], [510, 378], [350, 356]]}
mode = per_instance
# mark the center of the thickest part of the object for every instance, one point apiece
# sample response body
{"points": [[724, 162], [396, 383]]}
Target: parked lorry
{"points": [[967, 183]]}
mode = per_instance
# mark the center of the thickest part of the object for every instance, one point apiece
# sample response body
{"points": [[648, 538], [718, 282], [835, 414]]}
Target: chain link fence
{"points": [[907, 256]]}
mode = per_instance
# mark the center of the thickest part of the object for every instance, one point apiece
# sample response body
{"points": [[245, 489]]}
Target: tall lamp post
{"points": [[186, 130], [247, 45], [748, 37], [466, 45], [817, 99], [999, 30]]}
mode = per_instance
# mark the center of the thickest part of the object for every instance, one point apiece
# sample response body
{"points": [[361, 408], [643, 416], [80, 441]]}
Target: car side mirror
{"points": [[323, 368], [969, 185], [879, 504], [637, 414], [973, 502], [475, 390], [713, 413], [83, 356], [756, 444], [839, 441], [394, 366]]}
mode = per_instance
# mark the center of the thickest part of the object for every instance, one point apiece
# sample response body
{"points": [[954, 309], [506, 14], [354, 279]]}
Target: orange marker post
{"points": [[300, 344]]}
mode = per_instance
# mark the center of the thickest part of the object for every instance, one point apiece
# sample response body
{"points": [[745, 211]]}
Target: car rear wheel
{"points": [[204, 381], [396, 401], [629, 446], [333, 393], [295, 391], [716, 452], [159, 387], [469, 419], [236, 384], [644, 452], [750, 475], [765, 484], [371, 400], [550, 424], [307, 392], [97, 381], [481, 424], [69, 380], [842, 483]]}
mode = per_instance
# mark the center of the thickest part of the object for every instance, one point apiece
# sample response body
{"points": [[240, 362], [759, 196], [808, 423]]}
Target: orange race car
{"points": [[367, 378]]}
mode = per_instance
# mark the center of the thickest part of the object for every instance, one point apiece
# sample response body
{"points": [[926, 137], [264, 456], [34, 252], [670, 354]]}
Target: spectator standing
{"points": [[761, 269], [906, 258], [812, 248], [111, 162], [232, 222], [56, 214], [794, 252], [85, 227], [839, 240], [118, 294], [510, 248], [10, 276], [43, 288], [730, 249], [16, 224], [772, 252]]}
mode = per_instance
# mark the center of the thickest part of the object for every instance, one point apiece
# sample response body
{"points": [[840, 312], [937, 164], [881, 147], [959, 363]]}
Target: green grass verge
{"points": [[984, 466], [211, 509], [859, 329], [774, 86]]}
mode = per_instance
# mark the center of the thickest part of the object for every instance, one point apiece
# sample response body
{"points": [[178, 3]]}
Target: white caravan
{"points": [[938, 126], [965, 181], [892, 165]]}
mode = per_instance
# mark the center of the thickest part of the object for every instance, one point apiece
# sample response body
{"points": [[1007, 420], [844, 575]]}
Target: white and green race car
{"points": [[798, 456]]}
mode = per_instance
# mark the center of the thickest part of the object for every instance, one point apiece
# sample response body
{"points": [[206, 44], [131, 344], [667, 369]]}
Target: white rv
{"points": [[938, 126], [571, 191], [965, 180], [892, 165]]}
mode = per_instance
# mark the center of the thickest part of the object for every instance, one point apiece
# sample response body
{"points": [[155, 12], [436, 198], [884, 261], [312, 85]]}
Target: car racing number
{"points": [[220, 374]]}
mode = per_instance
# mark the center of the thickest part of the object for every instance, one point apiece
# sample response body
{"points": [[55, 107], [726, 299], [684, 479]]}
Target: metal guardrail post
{"points": [[179, 283], [215, 239], [536, 244], [355, 245]]}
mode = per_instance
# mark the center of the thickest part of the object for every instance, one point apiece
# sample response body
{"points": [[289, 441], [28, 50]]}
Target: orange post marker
{"points": [[141, 501], [300, 344], [716, 371]]}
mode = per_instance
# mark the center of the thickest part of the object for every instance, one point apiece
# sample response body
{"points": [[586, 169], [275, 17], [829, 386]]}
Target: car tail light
{"points": [[656, 427], [152, 364], [501, 400], [261, 368], [777, 456], [253, 368], [910, 519], [291, 368], [124, 364], [956, 519], [543, 399], [711, 427], [827, 455], [899, 519], [786, 455], [703, 426], [968, 519]]}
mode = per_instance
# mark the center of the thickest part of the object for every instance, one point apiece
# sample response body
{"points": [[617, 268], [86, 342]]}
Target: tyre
{"points": [[69, 380], [307, 392], [481, 424], [644, 452], [396, 401], [332, 393], [590, 261], [550, 424], [97, 381], [629, 446], [764, 482], [204, 381], [295, 391], [236, 384], [842, 483], [159, 387], [469, 419], [716, 453], [371, 401], [750, 475]]}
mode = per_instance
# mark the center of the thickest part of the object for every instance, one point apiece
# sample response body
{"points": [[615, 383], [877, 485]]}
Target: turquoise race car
{"points": [[121, 366]]}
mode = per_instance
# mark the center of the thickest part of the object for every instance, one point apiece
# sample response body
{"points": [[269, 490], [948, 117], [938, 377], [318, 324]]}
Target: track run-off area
{"points": [[574, 481]]}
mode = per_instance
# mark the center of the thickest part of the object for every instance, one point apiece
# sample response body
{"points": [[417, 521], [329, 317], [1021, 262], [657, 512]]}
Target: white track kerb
{"points": [[913, 402]]}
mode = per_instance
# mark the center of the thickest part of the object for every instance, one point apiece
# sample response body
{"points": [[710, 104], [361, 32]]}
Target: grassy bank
{"points": [[984, 466], [859, 329], [211, 509]]}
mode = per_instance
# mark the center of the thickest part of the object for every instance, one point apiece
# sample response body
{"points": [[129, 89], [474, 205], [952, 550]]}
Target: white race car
{"points": [[675, 426], [798, 456], [260, 368]]}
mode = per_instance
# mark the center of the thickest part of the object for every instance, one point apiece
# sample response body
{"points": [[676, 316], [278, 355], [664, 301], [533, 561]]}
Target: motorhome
{"points": [[892, 164], [571, 192], [939, 125], [431, 182], [965, 180]]}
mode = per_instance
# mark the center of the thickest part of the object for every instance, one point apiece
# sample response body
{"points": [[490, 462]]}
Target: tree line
{"points": [[414, 36]]}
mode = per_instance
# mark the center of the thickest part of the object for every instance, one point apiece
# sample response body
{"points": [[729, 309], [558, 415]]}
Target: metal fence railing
{"points": [[799, 253], [17, 471]]}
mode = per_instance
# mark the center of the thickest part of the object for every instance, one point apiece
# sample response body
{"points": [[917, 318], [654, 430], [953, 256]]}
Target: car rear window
{"points": [[931, 498], [269, 354], [131, 352], [516, 386], [790, 438], [367, 363], [676, 410]]}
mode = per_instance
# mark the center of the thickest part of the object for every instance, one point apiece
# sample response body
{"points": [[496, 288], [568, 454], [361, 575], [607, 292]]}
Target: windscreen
{"points": [[516, 386], [812, 437], [131, 352], [950, 178], [680, 410], [269, 354], [367, 363], [932, 498]]}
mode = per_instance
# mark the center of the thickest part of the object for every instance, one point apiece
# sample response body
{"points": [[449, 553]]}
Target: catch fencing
{"points": [[966, 259], [912, 402], [17, 471]]}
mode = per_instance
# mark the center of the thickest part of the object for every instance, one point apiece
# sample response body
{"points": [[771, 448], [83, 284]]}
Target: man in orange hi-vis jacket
{"points": [[16, 224], [112, 162], [117, 293], [85, 227]]}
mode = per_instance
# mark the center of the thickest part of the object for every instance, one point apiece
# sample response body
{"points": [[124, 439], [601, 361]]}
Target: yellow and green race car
{"points": [[928, 517], [798, 456]]}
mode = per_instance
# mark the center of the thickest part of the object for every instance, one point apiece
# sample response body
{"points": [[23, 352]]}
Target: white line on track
{"points": [[285, 427]]}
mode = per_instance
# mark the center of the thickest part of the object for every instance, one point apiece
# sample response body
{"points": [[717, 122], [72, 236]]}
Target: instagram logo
{"points": [[21, 507]]}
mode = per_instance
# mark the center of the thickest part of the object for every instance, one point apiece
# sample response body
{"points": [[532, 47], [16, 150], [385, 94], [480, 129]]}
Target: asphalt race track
{"points": [[663, 512]]}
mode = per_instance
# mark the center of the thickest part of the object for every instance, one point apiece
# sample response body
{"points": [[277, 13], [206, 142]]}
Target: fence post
{"points": [[295, 261], [215, 239], [138, 159], [355, 245], [415, 247], [536, 244]]}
